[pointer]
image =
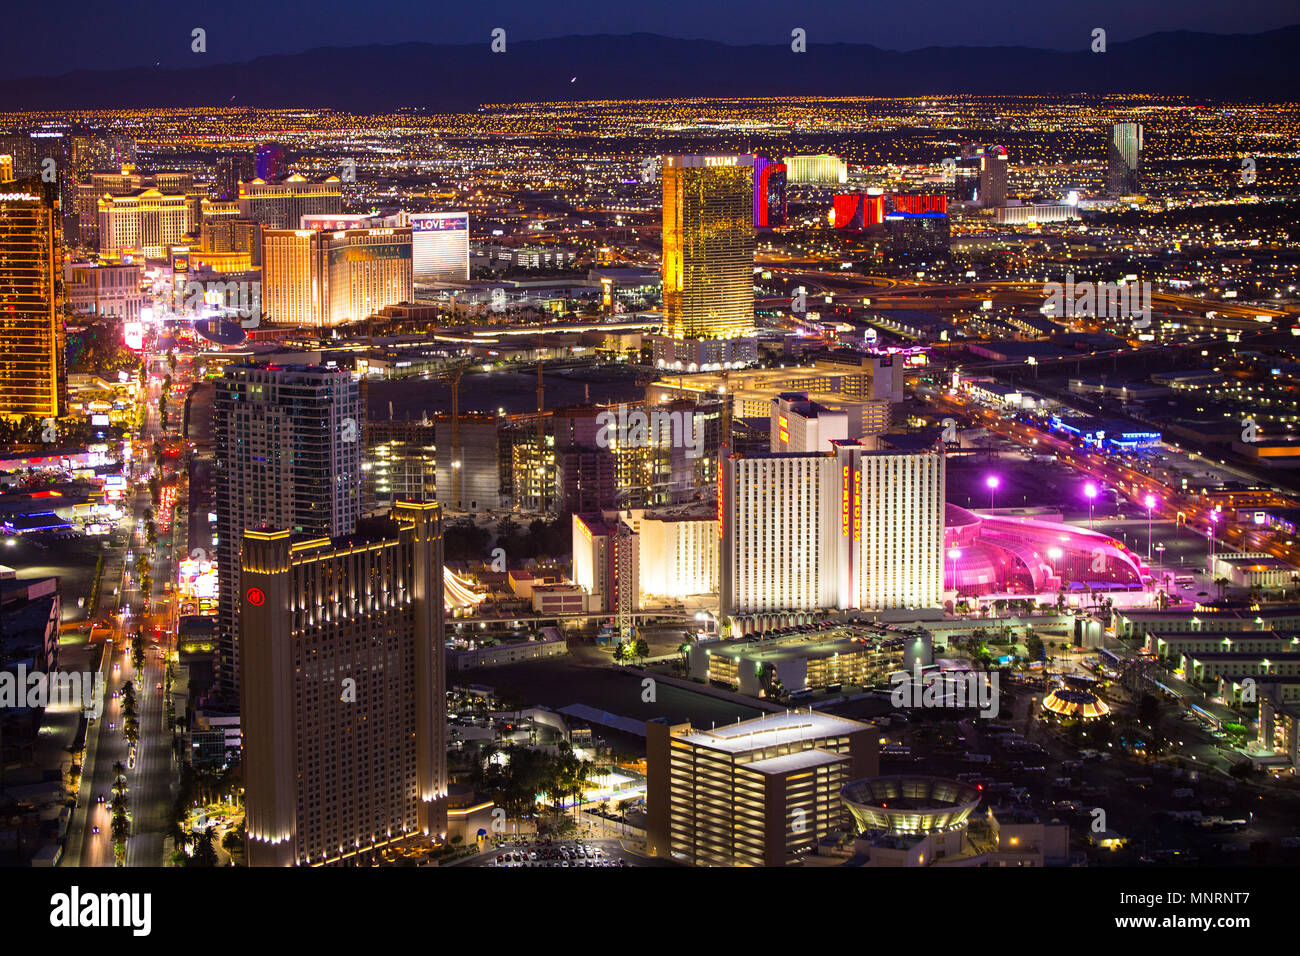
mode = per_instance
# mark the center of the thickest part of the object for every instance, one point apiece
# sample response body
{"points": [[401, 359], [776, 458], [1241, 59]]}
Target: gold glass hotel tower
{"points": [[708, 255], [31, 326]]}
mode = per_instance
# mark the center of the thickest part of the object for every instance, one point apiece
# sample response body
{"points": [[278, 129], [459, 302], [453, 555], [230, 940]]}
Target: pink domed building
{"points": [[1011, 554]]}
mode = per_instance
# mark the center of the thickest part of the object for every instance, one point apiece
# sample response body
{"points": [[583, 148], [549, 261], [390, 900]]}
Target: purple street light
{"points": [[1214, 521], [1090, 492], [953, 555], [992, 481], [1150, 502]]}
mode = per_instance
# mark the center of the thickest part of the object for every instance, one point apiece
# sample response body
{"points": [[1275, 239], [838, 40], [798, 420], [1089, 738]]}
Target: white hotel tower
{"points": [[850, 528]]}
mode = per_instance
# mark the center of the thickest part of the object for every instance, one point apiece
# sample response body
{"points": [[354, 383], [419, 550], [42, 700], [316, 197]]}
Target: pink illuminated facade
{"points": [[1009, 554]]}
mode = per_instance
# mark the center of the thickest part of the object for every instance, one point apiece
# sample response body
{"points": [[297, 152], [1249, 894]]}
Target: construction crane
{"points": [[453, 378]]}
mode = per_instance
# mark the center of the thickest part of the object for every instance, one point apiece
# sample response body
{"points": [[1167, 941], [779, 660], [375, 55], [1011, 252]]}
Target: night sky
{"points": [[128, 33]]}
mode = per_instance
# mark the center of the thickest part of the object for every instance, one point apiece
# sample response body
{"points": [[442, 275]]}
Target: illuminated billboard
{"points": [[440, 246]]}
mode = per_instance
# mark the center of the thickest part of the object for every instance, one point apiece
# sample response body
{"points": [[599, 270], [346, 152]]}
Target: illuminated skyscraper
{"points": [[145, 221], [281, 205], [890, 547], [6, 168], [981, 175], [320, 279], [708, 246], [1124, 160], [32, 374], [343, 702], [93, 152], [138, 215], [270, 161], [233, 169], [849, 528], [288, 442], [52, 160]]}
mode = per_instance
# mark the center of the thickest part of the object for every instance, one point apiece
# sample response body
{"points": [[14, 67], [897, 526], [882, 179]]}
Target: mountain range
{"points": [[1249, 67]]}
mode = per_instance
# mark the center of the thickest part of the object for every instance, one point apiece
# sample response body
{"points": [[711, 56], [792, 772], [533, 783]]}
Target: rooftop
{"points": [[772, 730], [805, 760]]}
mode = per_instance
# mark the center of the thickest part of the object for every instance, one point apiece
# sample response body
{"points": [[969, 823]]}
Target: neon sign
{"points": [[844, 502], [857, 507]]}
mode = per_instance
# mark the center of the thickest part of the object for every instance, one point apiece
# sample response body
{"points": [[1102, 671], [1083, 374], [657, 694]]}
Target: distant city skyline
{"points": [[147, 32]]}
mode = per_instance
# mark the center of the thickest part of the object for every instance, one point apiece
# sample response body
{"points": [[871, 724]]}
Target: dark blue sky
{"points": [[143, 32]]}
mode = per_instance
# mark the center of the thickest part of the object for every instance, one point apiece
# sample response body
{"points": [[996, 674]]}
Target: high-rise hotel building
{"points": [[318, 279], [343, 692], [126, 181], [1124, 159], [288, 442], [849, 528], [761, 792], [32, 373], [708, 246], [981, 175], [281, 203], [823, 170], [144, 221]]}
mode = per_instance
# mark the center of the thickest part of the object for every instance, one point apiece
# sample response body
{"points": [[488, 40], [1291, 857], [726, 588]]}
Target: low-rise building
{"points": [[760, 792], [547, 644]]}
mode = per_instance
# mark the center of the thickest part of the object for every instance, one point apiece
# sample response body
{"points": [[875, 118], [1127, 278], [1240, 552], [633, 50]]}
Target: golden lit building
{"points": [[32, 374], [319, 279], [122, 181], [708, 246], [762, 792], [282, 204], [6, 168], [145, 221], [343, 692], [222, 230]]}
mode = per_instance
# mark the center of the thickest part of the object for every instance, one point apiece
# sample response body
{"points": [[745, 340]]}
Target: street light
{"points": [[953, 555], [1150, 502], [992, 482], [1214, 521], [1090, 492]]}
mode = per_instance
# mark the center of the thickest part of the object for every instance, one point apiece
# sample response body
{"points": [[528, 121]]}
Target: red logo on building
{"points": [[256, 597]]}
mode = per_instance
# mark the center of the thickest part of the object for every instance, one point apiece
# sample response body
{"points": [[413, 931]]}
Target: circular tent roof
{"points": [[1070, 702], [910, 804]]}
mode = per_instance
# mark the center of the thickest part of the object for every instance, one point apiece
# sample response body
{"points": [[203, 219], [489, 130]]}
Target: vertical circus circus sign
{"points": [[844, 502], [857, 506], [722, 470]]}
